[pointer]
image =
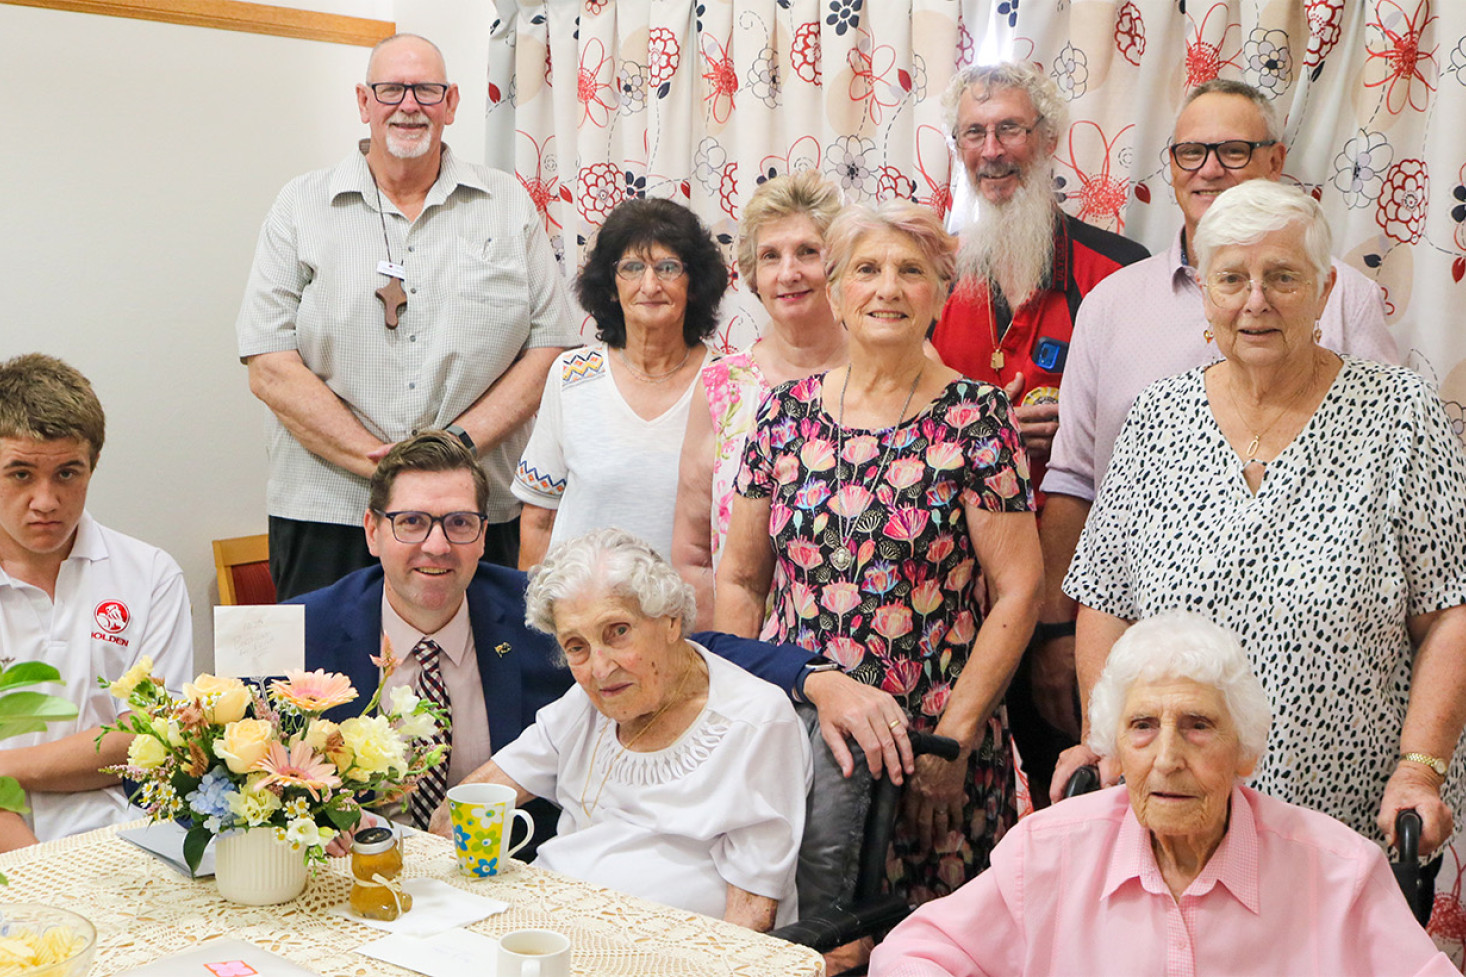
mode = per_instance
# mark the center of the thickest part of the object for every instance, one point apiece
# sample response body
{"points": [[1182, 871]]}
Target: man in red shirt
{"points": [[1023, 268], [1024, 265]]}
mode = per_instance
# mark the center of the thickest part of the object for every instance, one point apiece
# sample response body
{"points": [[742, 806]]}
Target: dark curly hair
{"points": [[637, 225]]}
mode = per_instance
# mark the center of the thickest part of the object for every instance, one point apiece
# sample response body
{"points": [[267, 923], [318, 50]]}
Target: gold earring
{"points": [[1207, 333], [1317, 333]]}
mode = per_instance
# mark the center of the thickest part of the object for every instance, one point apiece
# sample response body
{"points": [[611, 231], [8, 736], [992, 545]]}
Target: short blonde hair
{"points": [[805, 192], [918, 223], [45, 399]]}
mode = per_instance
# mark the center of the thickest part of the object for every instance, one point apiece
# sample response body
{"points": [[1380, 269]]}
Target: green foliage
{"points": [[27, 712]]}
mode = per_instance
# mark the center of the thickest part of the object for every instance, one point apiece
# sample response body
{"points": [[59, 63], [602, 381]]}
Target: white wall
{"points": [[139, 161]]}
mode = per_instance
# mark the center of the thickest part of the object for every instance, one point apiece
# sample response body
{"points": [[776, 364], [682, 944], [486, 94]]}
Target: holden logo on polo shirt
{"points": [[111, 617]]}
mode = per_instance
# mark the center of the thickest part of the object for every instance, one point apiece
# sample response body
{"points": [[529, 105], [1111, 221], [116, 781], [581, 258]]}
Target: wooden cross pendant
{"points": [[394, 299]]}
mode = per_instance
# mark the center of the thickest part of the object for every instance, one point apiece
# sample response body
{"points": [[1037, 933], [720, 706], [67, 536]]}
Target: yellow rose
{"points": [[146, 752], [223, 700], [122, 688], [375, 746], [244, 744]]}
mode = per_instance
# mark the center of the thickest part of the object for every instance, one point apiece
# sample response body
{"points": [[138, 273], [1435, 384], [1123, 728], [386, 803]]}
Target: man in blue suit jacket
{"points": [[425, 523]]}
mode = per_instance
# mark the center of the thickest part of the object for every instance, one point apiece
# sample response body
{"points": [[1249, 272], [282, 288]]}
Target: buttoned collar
{"points": [[352, 175], [1233, 864], [452, 637], [1183, 276]]}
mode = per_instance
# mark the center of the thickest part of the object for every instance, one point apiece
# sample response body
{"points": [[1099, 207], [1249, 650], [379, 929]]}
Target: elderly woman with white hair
{"points": [[1315, 504], [680, 777], [1182, 870]]}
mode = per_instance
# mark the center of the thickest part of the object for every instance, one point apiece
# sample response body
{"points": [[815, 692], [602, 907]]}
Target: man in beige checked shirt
{"points": [[401, 290]]}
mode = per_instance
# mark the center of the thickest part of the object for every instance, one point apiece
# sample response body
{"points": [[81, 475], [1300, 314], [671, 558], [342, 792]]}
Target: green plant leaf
{"points": [[27, 673], [343, 820], [35, 707], [194, 843], [12, 796], [19, 727]]}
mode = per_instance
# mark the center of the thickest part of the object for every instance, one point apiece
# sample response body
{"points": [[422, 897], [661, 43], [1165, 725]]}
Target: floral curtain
{"points": [[593, 101]]}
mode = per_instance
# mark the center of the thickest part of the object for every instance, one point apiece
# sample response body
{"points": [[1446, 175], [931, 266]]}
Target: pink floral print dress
{"points": [[897, 608]]}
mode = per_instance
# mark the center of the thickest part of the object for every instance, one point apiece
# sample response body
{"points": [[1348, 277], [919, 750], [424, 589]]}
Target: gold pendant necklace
{"points": [[842, 558]]}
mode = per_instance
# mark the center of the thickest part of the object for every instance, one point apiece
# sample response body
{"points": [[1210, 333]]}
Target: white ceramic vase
{"points": [[255, 869]]}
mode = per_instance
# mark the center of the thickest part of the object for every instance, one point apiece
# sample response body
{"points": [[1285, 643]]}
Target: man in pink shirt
{"points": [[1145, 322], [1182, 871]]}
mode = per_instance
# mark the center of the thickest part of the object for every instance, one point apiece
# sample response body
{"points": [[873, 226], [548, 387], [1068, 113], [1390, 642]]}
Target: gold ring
{"points": [[894, 724]]}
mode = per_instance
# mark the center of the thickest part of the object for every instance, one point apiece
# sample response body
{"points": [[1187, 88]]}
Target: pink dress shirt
{"points": [[1075, 889], [1146, 322]]}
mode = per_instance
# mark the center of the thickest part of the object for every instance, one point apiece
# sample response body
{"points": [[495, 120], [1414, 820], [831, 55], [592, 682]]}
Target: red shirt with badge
{"points": [[980, 337]]}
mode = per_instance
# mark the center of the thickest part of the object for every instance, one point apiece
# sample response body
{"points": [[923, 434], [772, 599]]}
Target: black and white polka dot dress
{"points": [[1358, 525]]}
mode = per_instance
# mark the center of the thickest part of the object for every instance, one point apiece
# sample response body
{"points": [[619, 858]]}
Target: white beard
{"points": [[407, 148], [1012, 242]]}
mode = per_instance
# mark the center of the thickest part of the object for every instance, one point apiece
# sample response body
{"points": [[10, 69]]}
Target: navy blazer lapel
{"points": [[491, 602]]}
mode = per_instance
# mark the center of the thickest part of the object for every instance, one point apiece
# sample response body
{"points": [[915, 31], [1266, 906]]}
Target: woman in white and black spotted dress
{"points": [[1315, 505]]}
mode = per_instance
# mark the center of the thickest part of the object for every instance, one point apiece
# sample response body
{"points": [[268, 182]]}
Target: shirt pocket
{"points": [[491, 271]]}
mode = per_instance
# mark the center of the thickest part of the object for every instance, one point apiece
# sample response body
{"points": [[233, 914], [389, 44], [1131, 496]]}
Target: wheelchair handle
{"points": [[942, 746], [1407, 835], [1082, 781]]}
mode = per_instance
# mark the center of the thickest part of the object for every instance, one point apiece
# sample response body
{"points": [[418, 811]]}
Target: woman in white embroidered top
{"points": [[605, 447], [680, 777]]}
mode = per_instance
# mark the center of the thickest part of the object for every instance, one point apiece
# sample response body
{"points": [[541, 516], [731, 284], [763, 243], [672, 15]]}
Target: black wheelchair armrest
{"points": [[839, 925]]}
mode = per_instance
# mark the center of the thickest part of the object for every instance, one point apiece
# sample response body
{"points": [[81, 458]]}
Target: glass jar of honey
{"points": [[376, 863]]}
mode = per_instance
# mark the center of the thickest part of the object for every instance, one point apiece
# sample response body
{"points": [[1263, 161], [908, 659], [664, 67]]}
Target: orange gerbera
{"points": [[314, 691]]}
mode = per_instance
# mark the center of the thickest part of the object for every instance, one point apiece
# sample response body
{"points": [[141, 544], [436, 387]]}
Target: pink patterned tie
{"points": [[433, 786]]}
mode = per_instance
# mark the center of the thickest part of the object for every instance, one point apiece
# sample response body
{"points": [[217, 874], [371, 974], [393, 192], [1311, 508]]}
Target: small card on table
{"points": [[436, 908], [450, 954], [254, 640]]}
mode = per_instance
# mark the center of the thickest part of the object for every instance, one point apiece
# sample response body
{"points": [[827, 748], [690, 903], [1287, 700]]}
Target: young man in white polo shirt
{"points": [[76, 595]]}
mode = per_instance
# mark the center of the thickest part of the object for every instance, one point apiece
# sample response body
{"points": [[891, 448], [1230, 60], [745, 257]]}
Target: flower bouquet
{"points": [[230, 755]]}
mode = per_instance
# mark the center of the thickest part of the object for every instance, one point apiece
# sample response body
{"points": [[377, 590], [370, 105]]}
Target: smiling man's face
{"points": [[407, 130], [425, 582]]}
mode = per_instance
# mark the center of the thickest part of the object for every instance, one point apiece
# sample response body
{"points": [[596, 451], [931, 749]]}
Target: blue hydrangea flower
{"points": [[210, 799]]}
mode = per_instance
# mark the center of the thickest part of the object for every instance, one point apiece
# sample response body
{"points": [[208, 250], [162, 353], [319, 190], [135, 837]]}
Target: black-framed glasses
{"points": [[1232, 154], [393, 92], [410, 526], [632, 269], [1008, 133]]}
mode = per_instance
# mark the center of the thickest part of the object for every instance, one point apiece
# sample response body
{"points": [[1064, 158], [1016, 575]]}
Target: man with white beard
{"points": [[402, 290], [1024, 265], [1023, 268]]}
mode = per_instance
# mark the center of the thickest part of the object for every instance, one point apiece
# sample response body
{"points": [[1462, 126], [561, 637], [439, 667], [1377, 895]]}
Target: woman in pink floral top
{"points": [[781, 254], [887, 487]]}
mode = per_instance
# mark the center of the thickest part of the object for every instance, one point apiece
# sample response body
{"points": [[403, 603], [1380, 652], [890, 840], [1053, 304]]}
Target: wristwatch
{"points": [[458, 432], [810, 668], [1433, 762]]}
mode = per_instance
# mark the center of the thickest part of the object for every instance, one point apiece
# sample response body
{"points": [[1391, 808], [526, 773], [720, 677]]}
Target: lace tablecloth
{"points": [[144, 910]]}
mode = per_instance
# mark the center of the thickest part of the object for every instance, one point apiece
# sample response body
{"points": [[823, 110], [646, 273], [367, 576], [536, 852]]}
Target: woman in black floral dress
{"points": [[887, 487]]}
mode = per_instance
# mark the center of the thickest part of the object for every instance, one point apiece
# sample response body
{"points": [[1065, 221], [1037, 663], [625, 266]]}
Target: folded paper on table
{"points": [[436, 908], [164, 841], [451, 954], [222, 958]]}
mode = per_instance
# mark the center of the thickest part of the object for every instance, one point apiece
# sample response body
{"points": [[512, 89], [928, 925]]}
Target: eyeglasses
{"points": [[1232, 154], [1008, 133], [393, 92], [1230, 289], [632, 269], [409, 526]]}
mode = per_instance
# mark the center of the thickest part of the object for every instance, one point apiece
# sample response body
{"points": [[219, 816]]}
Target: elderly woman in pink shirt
{"points": [[1181, 870]]}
